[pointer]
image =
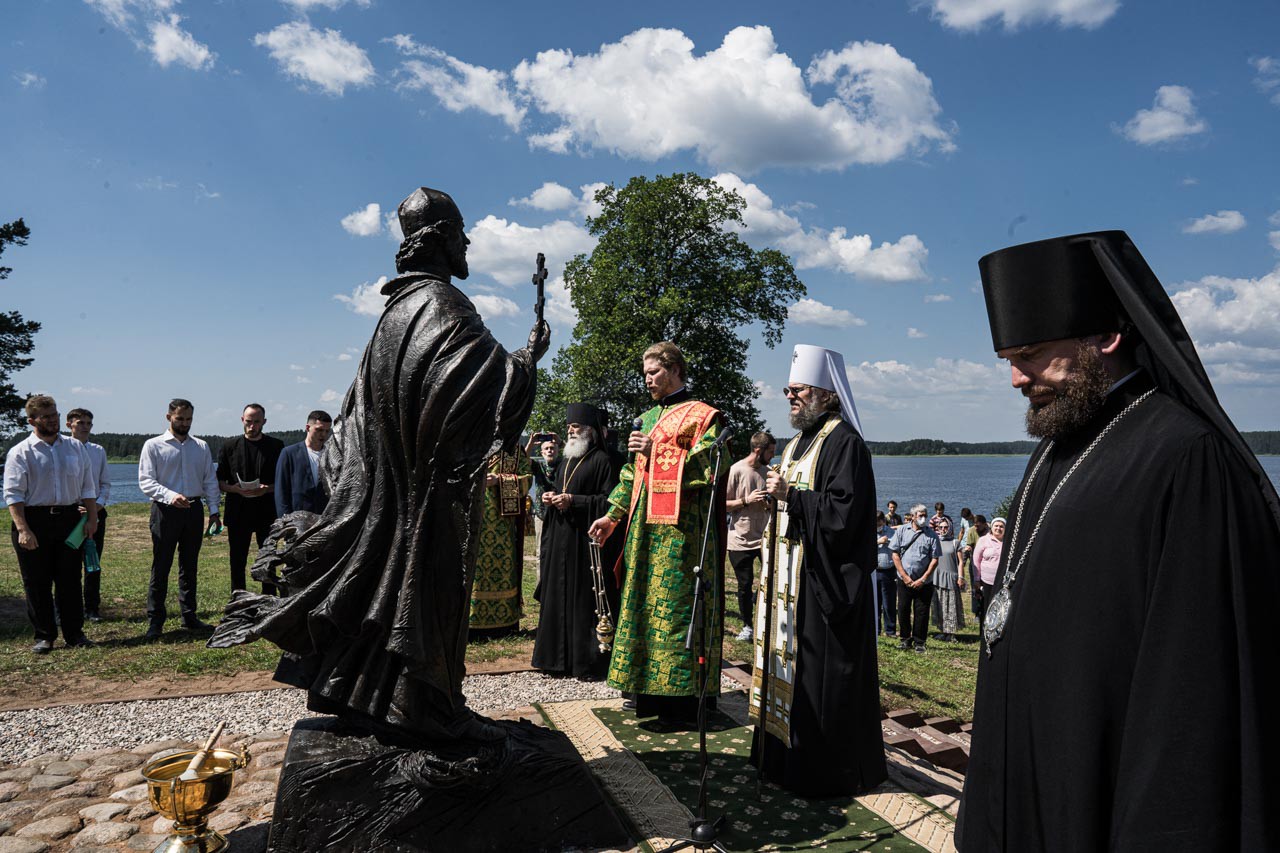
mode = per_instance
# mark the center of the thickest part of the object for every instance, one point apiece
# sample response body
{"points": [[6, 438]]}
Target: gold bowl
{"points": [[188, 803]]}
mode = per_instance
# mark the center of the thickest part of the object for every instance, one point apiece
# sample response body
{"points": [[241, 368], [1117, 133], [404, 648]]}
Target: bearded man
{"points": [[1131, 720], [567, 641], [815, 646], [665, 496], [378, 588]]}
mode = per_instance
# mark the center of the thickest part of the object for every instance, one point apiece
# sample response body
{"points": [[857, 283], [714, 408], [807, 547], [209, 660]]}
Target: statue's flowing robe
{"points": [[566, 641], [824, 694], [649, 654], [1125, 706], [378, 591], [496, 594]]}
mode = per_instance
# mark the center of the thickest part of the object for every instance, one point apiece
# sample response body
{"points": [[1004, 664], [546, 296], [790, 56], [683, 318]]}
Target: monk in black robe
{"points": [[834, 745], [374, 622], [1120, 697], [566, 642]]}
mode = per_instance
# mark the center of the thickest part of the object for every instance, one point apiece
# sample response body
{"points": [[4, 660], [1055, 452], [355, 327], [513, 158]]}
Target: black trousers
{"points": [[93, 580], [238, 538], [744, 569], [181, 530], [51, 573], [913, 606]]}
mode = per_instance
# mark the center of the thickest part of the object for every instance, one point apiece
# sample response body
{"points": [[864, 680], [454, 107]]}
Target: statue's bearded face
{"points": [[456, 251]]}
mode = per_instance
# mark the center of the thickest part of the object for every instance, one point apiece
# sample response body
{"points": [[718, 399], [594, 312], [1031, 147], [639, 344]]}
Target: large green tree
{"points": [[669, 265], [17, 339]]}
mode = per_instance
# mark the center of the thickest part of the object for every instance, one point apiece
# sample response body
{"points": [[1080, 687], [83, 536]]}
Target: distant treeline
{"points": [[1261, 442], [123, 445], [128, 445], [938, 447]]}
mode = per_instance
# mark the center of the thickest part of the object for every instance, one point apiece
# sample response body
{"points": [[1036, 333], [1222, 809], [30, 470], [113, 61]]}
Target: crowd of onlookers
{"points": [[924, 566], [57, 485]]}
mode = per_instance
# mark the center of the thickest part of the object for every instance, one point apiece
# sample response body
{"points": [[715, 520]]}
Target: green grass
{"points": [[939, 682]]}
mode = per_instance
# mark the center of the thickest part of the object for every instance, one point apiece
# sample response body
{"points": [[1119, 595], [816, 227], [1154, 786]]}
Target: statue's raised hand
{"points": [[539, 339]]}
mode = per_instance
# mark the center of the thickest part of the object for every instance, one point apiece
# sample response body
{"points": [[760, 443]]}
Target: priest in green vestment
{"points": [[662, 502], [496, 593]]}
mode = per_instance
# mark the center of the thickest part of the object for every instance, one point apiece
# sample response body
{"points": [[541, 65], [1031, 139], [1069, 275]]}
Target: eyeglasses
{"points": [[790, 391]]}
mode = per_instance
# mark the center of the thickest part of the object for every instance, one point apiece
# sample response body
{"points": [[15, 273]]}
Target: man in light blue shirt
{"points": [[47, 482], [80, 424], [176, 470], [915, 550]]}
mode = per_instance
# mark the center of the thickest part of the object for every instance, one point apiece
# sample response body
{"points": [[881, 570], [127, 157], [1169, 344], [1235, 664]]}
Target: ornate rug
{"points": [[651, 772]]}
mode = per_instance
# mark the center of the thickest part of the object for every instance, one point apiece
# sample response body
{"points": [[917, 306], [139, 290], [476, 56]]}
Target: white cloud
{"points": [[392, 221], [744, 105], [1268, 77], [492, 307], [90, 391], [203, 192], [506, 250], [1172, 116], [322, 57], [296, 367], [328, 395], [836, 249], [814, 313], [1189, 181], [895, 385], [1273, 238], [170, 43], [937, 297], [1237, 311], [549, 196], [365, 298], [364, 223], [1222, 222], [1274, 219], [456, 84], [552, 196], [913, 332], [302, 380], [344, 356], [973, 14], [29, 80]]}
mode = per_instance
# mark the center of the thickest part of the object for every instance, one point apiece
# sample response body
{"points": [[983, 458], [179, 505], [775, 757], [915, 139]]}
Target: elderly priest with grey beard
{"points": [[566, 641], [815, 639], [1120, 700]]}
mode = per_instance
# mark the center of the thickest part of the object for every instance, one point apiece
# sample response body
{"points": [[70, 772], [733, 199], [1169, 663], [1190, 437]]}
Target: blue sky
{"points": [[201, 178]]}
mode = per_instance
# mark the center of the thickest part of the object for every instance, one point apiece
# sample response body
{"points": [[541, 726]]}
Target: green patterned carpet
{"points": [[778, 820]]}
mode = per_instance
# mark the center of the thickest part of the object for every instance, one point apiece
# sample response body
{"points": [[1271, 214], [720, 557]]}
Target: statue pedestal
{"points": [[344, 790]]}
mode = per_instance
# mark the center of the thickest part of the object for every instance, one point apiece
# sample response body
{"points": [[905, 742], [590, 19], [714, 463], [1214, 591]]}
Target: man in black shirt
{"points": [[247, 474]]}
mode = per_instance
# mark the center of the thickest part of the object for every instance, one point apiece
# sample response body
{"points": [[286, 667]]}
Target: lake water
{"points": [[978, 482]]}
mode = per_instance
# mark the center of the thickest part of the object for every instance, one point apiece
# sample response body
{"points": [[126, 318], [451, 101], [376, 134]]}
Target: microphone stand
{"points": [[704, 832]]}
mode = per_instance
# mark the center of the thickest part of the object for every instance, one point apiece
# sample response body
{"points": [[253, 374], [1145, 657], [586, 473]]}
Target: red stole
{"points": [[673, 436]]}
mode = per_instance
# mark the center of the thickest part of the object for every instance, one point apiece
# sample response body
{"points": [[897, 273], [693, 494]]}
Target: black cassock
{"points": [[1121, 709], [836, 747], [566, 641]]}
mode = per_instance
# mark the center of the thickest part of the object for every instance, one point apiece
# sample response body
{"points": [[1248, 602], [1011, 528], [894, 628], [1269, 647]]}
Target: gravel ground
{"points": [[77, 728]]}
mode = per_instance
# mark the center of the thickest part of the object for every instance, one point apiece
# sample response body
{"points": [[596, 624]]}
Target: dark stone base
{"points": [[344, 790]]}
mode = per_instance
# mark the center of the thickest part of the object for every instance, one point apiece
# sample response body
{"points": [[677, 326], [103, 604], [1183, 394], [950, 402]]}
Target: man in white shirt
{"points": [[80, 424], [47, 479], [175, 470]]}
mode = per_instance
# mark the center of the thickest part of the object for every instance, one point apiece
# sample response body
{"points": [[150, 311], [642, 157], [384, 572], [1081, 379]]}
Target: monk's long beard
{"points": [[577, 446], [1082, 396]]}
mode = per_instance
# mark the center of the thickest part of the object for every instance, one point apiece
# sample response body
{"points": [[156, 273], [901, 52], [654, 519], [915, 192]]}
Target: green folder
{"points": [[76, 537]]}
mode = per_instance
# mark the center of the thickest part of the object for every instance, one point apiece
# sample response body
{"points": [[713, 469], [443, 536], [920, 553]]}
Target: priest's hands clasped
{"points": [[559, 500], [775, 484]]}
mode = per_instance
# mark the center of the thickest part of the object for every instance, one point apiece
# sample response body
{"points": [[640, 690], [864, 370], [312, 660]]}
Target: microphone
{"points": [[722, 439], [636, 426]]}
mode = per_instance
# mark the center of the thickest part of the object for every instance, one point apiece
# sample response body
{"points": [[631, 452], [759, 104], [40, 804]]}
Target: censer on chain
{"points": [[604, 619]]}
